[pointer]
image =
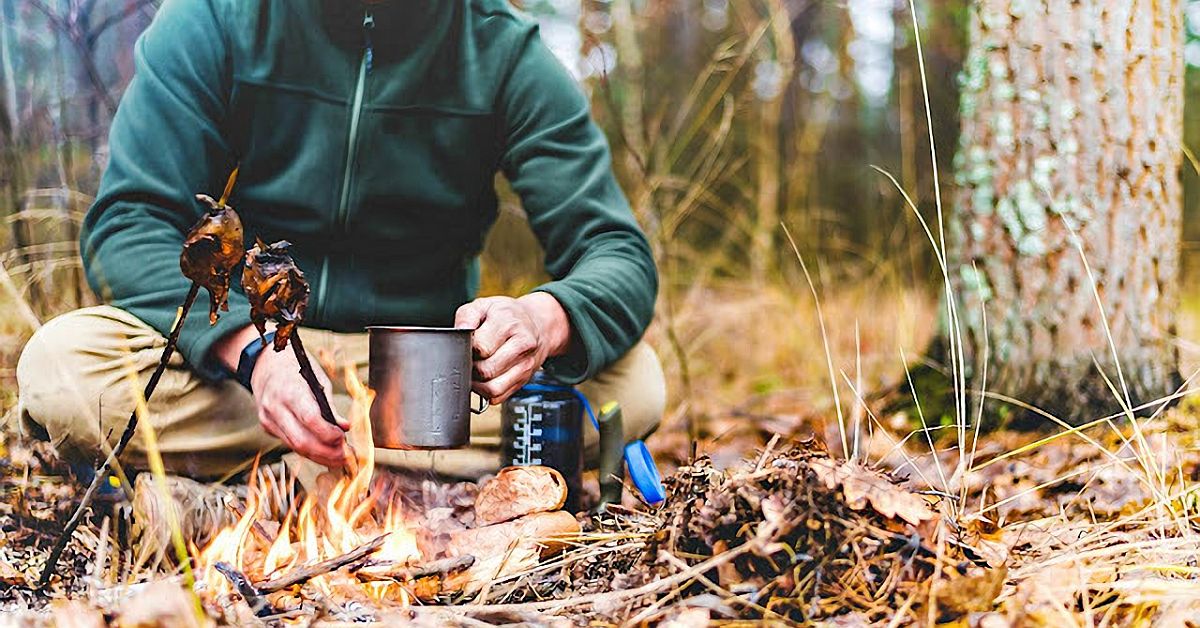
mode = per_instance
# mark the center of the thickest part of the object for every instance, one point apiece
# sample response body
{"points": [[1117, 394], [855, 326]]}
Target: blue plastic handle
{"points": [[567, 389]]}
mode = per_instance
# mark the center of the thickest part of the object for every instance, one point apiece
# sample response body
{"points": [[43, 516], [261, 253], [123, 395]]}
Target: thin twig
{"points": [[254, 598], [257, 527], [126, 436], [612, 597]]}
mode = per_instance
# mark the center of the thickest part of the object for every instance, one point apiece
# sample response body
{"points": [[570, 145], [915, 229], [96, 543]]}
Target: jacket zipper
{"points": [[360, 88]]}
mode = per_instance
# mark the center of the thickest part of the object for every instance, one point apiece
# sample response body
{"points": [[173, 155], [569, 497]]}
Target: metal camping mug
{"points": [[422, 382]]}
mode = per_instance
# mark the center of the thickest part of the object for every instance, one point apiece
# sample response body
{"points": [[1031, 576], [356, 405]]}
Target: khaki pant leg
{"points": [[75, 382], [635, 381]]}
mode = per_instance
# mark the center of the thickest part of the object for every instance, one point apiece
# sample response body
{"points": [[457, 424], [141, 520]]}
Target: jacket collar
{"points": [[400, 26]]}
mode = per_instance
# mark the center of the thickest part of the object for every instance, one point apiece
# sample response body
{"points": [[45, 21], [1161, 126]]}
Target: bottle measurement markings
{"points": [[528, 427]]}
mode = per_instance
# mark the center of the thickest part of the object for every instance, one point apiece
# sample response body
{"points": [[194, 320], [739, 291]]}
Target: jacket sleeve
{"points": [[165, 146], [558, 161]]}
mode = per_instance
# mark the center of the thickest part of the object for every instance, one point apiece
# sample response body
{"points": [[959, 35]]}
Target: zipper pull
{"points": [[368, 26]]}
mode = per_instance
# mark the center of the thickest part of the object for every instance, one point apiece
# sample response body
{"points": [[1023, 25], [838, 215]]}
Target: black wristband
{"points": [[250, 357]]}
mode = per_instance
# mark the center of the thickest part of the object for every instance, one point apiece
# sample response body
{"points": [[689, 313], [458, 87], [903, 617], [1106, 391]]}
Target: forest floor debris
{"points": [[1068, 531]]}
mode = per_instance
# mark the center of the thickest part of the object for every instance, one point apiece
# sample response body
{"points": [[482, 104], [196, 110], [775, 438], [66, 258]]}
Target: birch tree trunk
{"points": [[1072, 115]]}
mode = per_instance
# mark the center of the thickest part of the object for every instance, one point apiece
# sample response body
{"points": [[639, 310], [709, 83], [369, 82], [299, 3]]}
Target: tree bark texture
{"points": [[1072, 115]]}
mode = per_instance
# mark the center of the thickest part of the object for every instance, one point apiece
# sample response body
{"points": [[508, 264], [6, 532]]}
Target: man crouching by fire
{"points": [[368, 135]]}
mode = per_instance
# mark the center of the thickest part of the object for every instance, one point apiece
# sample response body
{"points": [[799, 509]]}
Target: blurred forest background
{"points": [[726, 118]]}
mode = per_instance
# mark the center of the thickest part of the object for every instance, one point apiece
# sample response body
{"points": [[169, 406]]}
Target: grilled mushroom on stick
{"points": [[278, 291], [211, 252]]}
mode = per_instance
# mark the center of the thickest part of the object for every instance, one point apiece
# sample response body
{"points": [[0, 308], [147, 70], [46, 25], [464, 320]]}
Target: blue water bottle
{"points": [[542, 424]]}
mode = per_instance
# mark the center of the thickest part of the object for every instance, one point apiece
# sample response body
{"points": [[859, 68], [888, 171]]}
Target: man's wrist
{"points": [[228, 350], [249, 360], [554, 325]]}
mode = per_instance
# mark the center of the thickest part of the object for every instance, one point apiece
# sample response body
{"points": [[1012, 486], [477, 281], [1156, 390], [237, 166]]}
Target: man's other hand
{"points": [[513, 337], [286, 407]]}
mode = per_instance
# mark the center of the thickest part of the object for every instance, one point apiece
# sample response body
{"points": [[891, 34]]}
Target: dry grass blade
{"points": [[159, 472], [101, 473], [837, 401], [23, 308]]}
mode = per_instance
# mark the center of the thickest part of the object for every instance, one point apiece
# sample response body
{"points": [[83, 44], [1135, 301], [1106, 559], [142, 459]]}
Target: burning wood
{"points": [[308, 572], [339, 524], [348, 541], [442, 567], [426, 579], [426, 582]]}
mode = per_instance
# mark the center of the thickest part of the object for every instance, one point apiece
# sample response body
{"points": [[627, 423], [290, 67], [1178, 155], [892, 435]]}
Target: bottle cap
{"points": [[644, 472]]}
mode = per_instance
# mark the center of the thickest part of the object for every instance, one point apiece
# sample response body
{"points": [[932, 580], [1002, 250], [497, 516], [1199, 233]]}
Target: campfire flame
{"points": [[338, 517]]}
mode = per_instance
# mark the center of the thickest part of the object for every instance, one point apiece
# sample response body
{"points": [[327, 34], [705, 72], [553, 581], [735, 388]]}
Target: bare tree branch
{"points": [[83, 50], [96, 31]]}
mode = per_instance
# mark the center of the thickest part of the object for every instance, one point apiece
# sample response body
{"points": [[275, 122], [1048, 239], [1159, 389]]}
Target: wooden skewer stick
{"points": [[229, 185], [102, 471], [310, 377]]}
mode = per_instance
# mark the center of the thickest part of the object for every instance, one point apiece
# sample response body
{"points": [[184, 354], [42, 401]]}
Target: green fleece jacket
{"points": [[369, 135]]}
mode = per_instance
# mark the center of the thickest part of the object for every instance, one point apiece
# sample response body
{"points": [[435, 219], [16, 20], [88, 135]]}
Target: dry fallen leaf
{"points": [[862, 486], [9, 575], [276, 288], [507, 548], [519, 491], [774, 516], [974, 593], [211, 251]]}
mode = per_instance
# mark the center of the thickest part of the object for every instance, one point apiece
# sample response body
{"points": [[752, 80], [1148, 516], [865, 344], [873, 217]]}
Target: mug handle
{"points": [[483, 408]]}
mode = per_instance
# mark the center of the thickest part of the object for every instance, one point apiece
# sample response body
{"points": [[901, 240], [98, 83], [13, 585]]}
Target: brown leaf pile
{"points": [[36, 497], [276, 288], [212, 249], [809, 537]]}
